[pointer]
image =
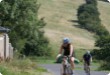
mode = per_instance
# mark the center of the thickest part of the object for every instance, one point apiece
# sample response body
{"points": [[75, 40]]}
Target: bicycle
{"points": [[87, 69], [67, 70]]}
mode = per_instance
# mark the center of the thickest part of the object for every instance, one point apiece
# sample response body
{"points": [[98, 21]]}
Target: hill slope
{"points": [[104, 9], [61, 19]]}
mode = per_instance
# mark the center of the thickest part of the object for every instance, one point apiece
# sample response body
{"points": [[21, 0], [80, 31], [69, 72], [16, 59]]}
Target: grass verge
{"points": [[21, 67]]}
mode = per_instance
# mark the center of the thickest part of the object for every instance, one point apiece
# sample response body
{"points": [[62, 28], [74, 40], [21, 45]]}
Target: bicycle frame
{"points": [[87, 68], [66, 66]]}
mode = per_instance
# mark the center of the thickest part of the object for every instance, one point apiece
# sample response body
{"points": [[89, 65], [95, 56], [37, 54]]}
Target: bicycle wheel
{"points": [[64, 70], [69, 70], [87, 69], [66, 67]]}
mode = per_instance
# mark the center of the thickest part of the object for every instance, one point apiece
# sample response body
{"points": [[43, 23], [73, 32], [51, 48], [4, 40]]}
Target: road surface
{"points": [[55, 69]]}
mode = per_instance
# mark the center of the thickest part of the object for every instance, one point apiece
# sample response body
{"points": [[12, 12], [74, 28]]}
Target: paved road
{"points": [[55, 69]]}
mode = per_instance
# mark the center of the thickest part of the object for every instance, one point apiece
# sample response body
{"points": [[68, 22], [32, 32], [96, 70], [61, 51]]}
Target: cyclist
{"points": [[87, 60], [67, 50]]}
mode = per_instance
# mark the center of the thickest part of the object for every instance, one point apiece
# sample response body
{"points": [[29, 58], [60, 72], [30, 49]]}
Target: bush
{"points": [[94, 2], [26, 33], [5, 71], [21, 67], [105, 66], [88, 18]]}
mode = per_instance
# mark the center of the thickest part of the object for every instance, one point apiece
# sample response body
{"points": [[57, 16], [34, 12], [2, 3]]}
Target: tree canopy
{"points": [[88, 18], [21, 17]]}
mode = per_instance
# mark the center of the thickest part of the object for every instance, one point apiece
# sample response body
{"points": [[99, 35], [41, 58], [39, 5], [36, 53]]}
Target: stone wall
{"points": [[6, 49], [1, 46]]}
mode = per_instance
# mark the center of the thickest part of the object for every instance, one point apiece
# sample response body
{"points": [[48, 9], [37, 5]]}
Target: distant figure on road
{"points": [[87, 60]]}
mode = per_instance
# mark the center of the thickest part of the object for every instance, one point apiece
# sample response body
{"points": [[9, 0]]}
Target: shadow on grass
{"points": [[77, 24], [75, 21]]}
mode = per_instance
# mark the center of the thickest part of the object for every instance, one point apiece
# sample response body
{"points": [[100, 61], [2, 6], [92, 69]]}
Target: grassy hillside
{"points": [[61, 19], [104, 9]]}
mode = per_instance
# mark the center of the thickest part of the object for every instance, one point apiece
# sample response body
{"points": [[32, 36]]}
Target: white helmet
{"points": [[88, 52]]}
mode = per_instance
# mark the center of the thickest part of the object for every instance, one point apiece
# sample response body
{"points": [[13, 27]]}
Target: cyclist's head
{"points": [[88, 52], [66, 40]]}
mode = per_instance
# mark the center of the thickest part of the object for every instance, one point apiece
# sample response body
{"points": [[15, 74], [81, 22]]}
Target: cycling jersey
{"points": [[66, 50], [87, 58]]}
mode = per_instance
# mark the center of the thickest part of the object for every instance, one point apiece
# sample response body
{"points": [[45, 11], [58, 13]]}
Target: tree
{"points": [[88, 18], [26, 29], [104, 52], [94, 2]]}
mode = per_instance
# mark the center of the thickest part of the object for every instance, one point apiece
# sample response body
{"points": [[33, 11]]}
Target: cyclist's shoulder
{"points": [[70, 45]]}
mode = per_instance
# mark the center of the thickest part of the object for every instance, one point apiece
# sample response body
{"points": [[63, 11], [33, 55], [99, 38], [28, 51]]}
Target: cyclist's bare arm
{"points": [[91, 59], [71, 50], [60, 52]]}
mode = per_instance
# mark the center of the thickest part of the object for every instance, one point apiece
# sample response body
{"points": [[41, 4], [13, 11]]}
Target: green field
{"points": [[59, 15], [104, 9], [61, 19]]}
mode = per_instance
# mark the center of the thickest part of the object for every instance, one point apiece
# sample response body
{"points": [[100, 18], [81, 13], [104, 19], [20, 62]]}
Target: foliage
{"points": [[4, 71], [88, 17], [104, 52], [21, 67], [94, 2], [105, 66], [26, 29]]}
